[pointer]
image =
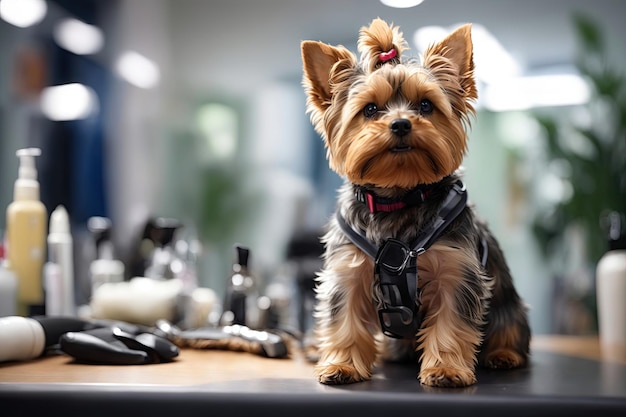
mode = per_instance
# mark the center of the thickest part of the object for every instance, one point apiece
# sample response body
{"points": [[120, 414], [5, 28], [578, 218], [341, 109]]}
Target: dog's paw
{"points": [[333, 374], [504, 359], [447, 377]]}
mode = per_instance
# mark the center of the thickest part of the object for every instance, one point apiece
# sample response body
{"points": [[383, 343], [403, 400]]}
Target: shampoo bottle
{"points": [[26, 233]]}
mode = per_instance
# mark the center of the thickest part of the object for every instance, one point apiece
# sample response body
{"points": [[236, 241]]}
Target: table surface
{"points": [[570, 374]]}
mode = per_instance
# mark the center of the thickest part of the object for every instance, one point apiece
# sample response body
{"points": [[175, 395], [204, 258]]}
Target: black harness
{"points": [[396, 266]]}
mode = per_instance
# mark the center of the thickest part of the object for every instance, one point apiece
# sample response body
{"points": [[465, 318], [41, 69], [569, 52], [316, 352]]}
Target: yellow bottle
{"points": [[26, 233]]}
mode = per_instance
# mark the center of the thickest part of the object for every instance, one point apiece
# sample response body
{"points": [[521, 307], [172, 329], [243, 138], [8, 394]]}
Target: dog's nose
{"points": [[400, 127]]}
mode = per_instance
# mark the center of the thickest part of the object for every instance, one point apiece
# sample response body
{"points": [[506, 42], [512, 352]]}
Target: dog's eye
{"points": [[426, 107], [370, 110]]}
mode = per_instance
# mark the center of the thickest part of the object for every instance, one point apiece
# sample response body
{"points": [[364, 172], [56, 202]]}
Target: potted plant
{"points": [[597, 174], [594, 173]]}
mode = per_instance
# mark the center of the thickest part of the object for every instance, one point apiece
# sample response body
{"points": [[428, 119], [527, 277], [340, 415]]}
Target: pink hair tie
{"points": [[386, 56]]}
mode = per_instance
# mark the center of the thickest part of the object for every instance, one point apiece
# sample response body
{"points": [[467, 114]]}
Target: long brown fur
{"points": [[472, 313]]}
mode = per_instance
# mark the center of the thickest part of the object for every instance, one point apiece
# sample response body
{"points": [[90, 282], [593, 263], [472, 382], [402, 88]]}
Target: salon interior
{"points": [[173, 143]]}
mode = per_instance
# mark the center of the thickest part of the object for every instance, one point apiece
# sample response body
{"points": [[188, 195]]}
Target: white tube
{"points": [[60, 251]]}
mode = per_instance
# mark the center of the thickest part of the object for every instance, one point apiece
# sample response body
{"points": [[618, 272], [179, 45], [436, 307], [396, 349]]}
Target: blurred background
{"points": [[193, 110]]}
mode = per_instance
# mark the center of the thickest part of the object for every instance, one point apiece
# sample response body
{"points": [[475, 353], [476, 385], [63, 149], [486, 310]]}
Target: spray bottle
{"points": [[26, 233], [60, 291]]}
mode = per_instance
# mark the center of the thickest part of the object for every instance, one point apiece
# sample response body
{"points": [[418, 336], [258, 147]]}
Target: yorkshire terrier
{"points": [[409, 269]]}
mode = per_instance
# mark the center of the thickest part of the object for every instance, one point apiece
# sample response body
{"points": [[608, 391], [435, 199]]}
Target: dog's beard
{"points": [[374, 156]]}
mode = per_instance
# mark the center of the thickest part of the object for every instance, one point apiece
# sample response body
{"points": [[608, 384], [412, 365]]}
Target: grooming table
{"points": [[568, 376]]}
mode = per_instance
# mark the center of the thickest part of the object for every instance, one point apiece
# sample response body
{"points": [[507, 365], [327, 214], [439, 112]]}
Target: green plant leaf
{"points": [[589, 35], [598, 181]]}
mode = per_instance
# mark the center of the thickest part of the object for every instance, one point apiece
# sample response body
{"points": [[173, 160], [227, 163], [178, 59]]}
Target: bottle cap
{"points": [[26, 185], [617, 234], [242, 255], [164, 231], [59, 221], [28, 170], [100, 228]]}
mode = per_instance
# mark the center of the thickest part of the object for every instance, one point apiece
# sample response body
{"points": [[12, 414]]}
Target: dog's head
{"points": [[388, 121]]}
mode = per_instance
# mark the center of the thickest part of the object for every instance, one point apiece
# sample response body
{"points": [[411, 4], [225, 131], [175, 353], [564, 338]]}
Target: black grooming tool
{"points": [[114, 346]]}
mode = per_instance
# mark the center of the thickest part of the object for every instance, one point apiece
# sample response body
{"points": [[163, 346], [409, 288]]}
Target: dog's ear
{"points": [[457, 48], [324, 66]]}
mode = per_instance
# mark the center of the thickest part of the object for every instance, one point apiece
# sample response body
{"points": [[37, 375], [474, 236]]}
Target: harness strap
{"points": [[452, 206], [357, 237], [398, 280]]}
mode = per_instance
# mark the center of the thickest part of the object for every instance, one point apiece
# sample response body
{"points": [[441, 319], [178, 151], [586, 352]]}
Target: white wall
{"points": [[495, 188], [135, 131]]}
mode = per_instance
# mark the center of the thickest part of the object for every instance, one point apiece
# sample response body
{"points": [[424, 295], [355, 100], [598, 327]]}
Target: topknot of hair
{"points": [[380, 44]]}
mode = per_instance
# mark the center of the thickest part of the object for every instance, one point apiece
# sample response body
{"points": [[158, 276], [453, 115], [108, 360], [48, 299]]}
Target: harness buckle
{"points": [[396, 270], [398, 322]]}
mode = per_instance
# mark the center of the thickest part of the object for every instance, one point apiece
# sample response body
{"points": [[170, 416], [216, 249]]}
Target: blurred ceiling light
{"points": [[492, 61], [23, 13], [78, 37], [523, 93], [68, 102], [138, 70], [401, 4], [427, 35]]}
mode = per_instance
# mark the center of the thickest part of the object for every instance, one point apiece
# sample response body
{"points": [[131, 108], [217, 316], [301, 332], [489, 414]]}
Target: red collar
{"points": [[377, 204]]}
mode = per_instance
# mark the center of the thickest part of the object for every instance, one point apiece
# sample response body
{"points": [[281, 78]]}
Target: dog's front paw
{"points": [[338, 374], [504, 359], [447, 377]]}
